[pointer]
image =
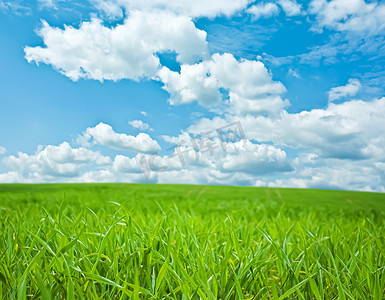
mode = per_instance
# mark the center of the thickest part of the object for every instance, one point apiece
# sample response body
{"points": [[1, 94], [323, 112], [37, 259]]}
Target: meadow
{"points": [[138, 241]]}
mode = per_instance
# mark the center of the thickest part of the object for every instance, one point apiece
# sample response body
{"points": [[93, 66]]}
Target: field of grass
{"points": [[136, 241]]}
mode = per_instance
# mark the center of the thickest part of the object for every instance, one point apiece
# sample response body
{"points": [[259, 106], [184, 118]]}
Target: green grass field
{"points": [[136, 241]]}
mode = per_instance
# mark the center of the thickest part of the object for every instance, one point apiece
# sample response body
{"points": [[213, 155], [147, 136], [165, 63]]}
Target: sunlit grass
{"points": [[189, 242]]}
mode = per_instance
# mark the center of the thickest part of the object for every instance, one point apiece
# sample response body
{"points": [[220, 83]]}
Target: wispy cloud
{"points": [[15, 7]]}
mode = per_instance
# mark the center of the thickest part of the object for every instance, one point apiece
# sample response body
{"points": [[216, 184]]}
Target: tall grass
{"points": [[169, 242]]}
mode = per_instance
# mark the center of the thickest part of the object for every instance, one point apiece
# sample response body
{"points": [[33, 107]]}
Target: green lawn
{"points": [[137, 241]]}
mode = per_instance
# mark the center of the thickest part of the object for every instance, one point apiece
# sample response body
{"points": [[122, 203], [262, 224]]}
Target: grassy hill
{"points": [[138, 241]]}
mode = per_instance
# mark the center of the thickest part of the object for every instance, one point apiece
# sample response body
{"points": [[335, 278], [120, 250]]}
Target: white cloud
{"points": [[271, 105], [193, 83], [127, 51], [236, 163], [241, 162], [139, 124], [349, 90], [52, 162], [197, 8], [335, 144], [10, 177], [124, 164], [249, 84], [256, 159], [350, 130], [103, 134], [306, 158], [269, 9], [291, 8], [349, 15], [336, 174], [2, 150], [211, 162], [144, 113], [263, 10]]}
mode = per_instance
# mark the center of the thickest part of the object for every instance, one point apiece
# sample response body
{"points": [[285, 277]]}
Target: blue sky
{"points": [[103, 91]]}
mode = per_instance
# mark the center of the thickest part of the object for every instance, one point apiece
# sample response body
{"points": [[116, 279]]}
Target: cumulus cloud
{"points": [[269, 9], [139, 124], [230, 163], [248, 83], [52, 162], [256, 159], [353, 15], [339, 147], [350, 130], [235, 163], [349, 90], [198, 8], [336, 174], [291, 8], [103, 134], [11, 177], [124, 164], [2, 150], [242, 162], [263, 10], [127, 51], [207, 161]]}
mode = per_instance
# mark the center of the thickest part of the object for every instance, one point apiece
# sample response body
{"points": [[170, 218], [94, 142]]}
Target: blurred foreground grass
{"points": [[137, 241]]}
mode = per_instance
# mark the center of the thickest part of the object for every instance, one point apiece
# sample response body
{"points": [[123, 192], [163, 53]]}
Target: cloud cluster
{"points": [[291, 8], [53, 162], [269, 9], [127, 51], [341, 146], [353, 15], [103, 134], [336, 174], [263, 10], [248, 83], [237, 163], [338, 146], [214, 161], [351, 130], [255, 159]]}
